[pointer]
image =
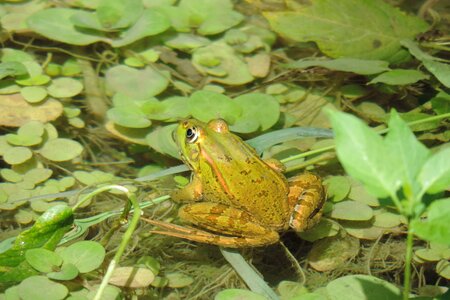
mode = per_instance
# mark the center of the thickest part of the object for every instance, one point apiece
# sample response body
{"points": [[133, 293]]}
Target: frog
{"points": [[236, 199]]}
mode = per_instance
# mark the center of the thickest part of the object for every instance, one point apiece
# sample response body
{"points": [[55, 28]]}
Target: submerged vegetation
{"points": [[90, 94]]}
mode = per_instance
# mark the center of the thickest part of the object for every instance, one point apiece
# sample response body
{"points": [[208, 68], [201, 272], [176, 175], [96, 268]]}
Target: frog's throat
{"points": [[216, 171]]}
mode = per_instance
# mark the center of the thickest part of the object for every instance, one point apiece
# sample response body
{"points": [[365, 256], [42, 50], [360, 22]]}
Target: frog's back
{"points": [[249, 183]]}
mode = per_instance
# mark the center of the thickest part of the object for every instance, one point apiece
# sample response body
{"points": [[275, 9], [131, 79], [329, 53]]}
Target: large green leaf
{"points": [[404, 148], [205, 106], [435, 174], [358, 66], [56, 24], [370, 29], [364, 155]]}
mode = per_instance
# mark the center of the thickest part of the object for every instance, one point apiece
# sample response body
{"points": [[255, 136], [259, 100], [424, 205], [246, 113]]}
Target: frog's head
{"points": [[192, 135]]}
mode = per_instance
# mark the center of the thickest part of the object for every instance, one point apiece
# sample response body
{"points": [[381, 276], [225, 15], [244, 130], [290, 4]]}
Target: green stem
{"points": [[125, 239], [409, 251]]}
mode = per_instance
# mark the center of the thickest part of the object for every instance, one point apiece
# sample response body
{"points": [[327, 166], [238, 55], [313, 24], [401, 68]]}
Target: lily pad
{"points": [[338, 188], [61, 149], [65, 87], [351, 210], [85, 255], [223, 64], [41, 288], [132, 277], [16, 111], [17, 155], [43, 260], [33, 94], [205, 106], [330, 253], [137, 84], [179, 280], [129, 116]]}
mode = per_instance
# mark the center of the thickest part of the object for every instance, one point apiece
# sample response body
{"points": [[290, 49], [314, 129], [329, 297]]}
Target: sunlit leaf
{"points": [[436, 228], [351, 210], [41, 288], [33, 94], [206, 106], [65, 87], [132, 277], [43, 260], [17, 155], [85, 255], [435, 174], [368, 29], [355, 65], [61, 149], [399, 77]]}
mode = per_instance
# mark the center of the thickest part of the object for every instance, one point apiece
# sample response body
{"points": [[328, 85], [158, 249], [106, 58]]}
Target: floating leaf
{"points": [[56, 24], [132, 277], [43, 260], [129, 116], [85, 255], [37, 175], [223, 64], [259, 112], [351, 210], [116, 14], [325, 228], [330, 253], [211, 16], [399, 77], [61, 149], [17, 155], [237, 294], [12, 68], [161, 140], [186, 41], [354, 65], [65, 87], [441, 103], [362, 230], [16, 111], [41, 288], [33, 94], [11, 175], [170, 109], [94, 177], [342, 28], [386, 219], [137, 84], [179, 280], [205, 106], [151, 22], [338, 188], [67, 272], [356, 287]]}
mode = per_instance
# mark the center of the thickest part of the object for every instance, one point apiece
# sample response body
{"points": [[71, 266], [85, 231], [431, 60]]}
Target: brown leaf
{"points": [[15, 111]]}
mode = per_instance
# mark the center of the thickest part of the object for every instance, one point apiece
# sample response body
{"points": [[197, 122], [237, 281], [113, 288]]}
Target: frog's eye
{"points": [[192, 135]]}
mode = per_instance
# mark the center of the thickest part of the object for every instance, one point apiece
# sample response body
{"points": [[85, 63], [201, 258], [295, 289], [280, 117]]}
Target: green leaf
{"points": [[23, 139], [150, 23], [67, 272], [37, 175], [65, 87], [259, 111], [41, 288], [352, 211], [441, 103], [223, 64], [170, 109], [436, 228], [31, 128], [364, 155], [61, 149], [399, 77], [179, 280], [33, 94], [115, 14], [354, 65], [357, 287], [161, 140], [205, 106], [129, 116], [406, 150], [440, 70], [211, 16], [367, 29], [435, 174], [17, 155], [137, 84], [12, 68], [132, 277], [236, 294], [56, 24], [338, 187], [187, 41], [43, 260], [85, 255]]}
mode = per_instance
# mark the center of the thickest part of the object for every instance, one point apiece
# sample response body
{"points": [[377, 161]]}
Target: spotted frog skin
{"points": [[235, 199]]}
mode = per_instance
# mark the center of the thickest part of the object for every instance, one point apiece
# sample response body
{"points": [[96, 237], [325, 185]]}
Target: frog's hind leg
{"points": [[306, 199], [228, 226]]}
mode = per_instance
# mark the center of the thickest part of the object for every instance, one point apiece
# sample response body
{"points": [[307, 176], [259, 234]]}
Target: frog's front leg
{"points": [[306, 199], [189, 193], [227, 226]]}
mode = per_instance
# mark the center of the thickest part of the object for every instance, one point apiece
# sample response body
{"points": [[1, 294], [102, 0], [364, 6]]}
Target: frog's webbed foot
{"points": [[228, 226], [306, 199]]}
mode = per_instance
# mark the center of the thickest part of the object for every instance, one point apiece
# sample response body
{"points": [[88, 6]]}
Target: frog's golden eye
{"points": [[192, 135]]}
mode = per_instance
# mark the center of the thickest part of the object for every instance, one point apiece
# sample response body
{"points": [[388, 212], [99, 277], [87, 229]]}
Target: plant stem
{"points": [[408, 258]]}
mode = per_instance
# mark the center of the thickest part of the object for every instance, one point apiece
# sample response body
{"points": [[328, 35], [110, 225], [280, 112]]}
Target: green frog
{"points": [[236, 199]]}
